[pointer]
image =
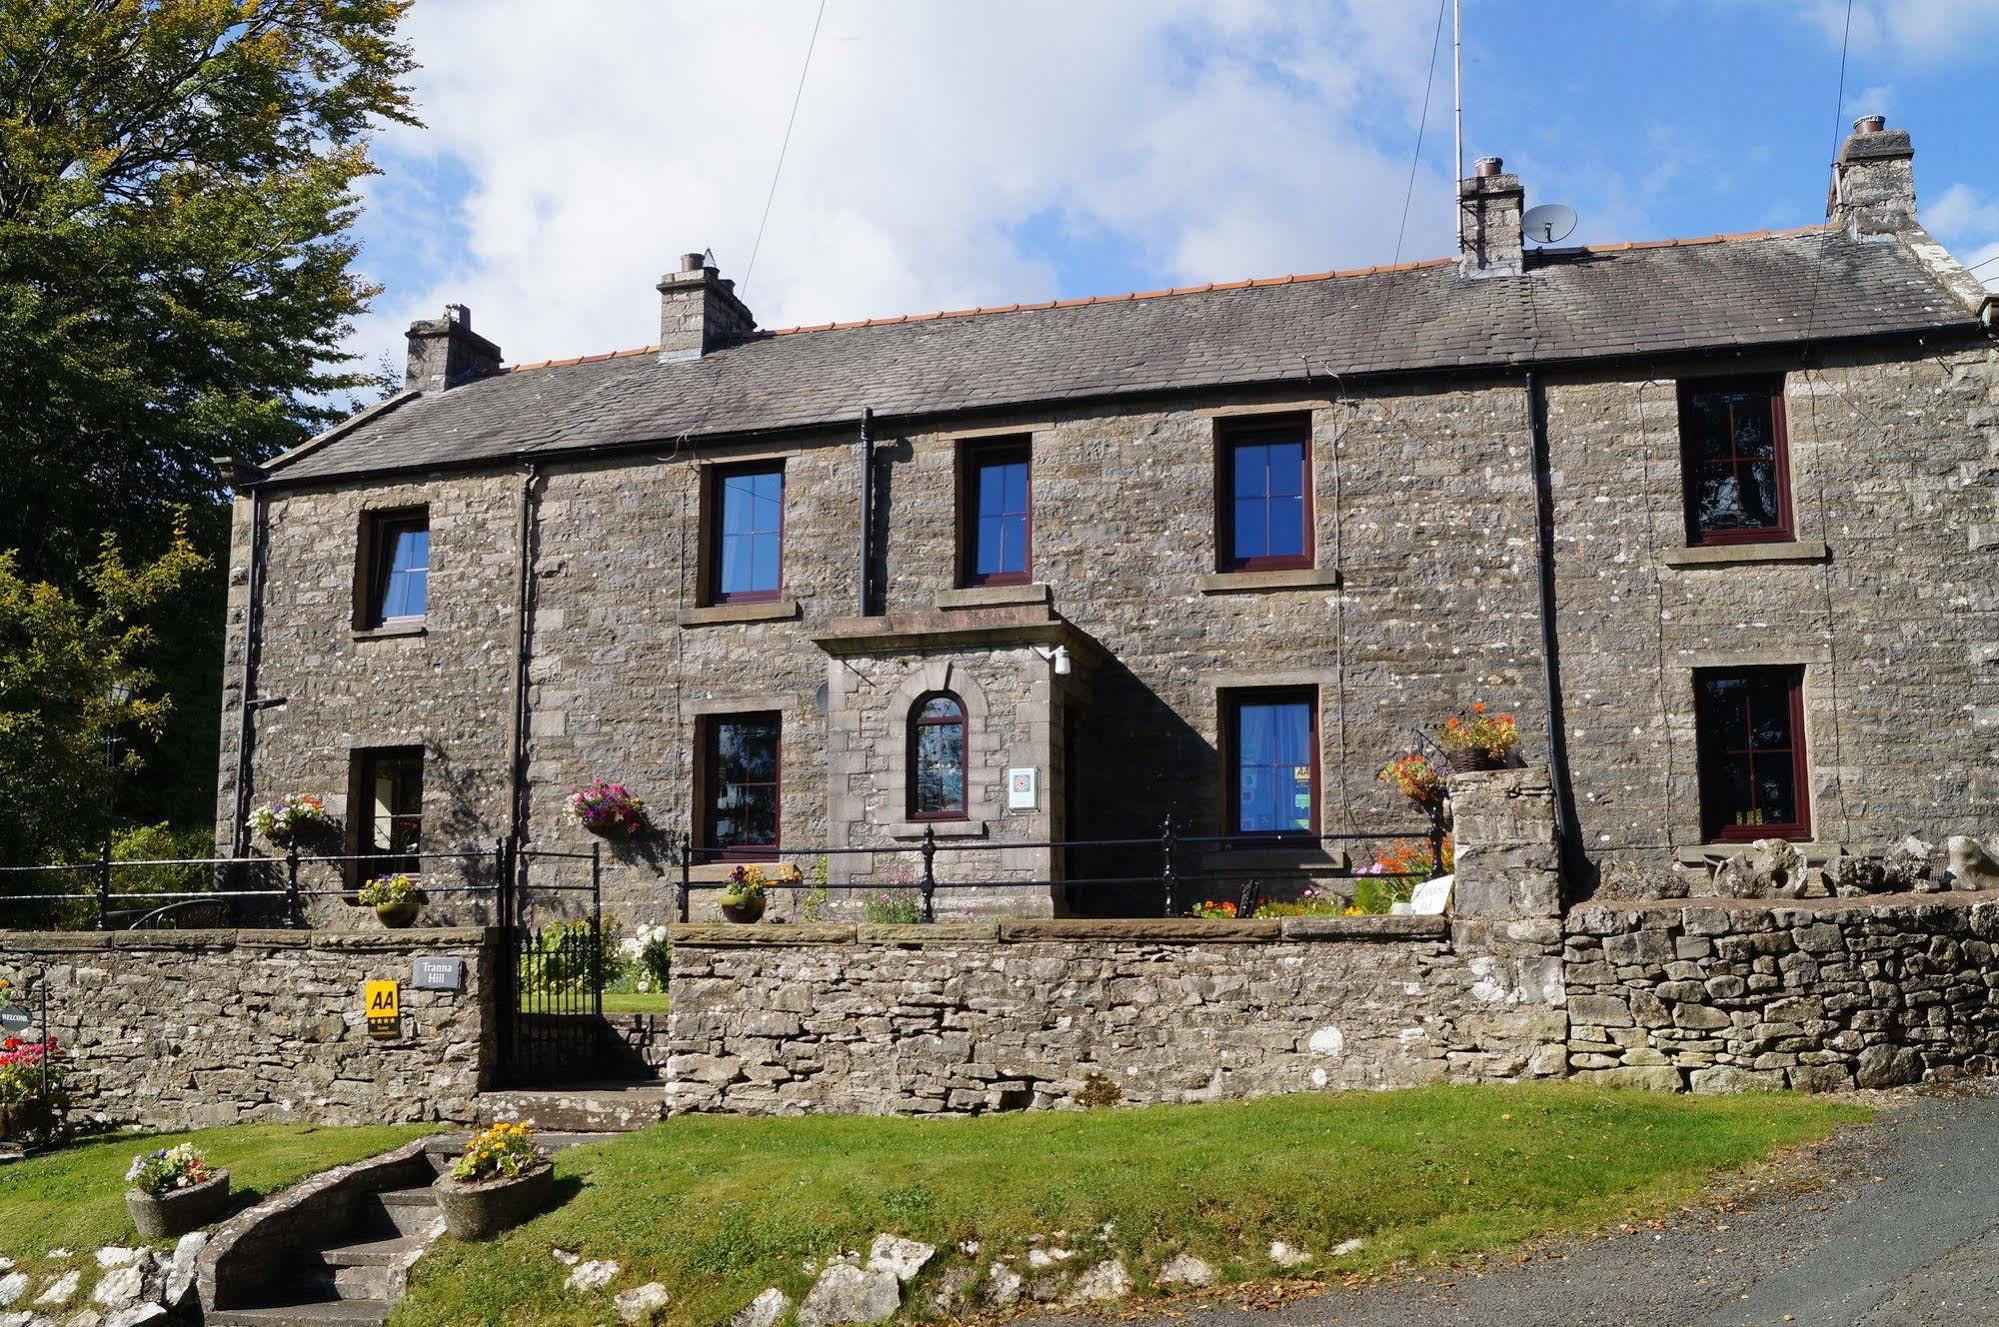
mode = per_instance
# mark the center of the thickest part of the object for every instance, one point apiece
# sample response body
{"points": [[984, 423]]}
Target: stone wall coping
{"points": [[1161, 930], [413, 940], [1955, 898]]}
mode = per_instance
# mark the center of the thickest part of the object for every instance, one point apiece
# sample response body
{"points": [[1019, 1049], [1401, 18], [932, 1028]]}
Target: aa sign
{"points": [[381, 1003]]}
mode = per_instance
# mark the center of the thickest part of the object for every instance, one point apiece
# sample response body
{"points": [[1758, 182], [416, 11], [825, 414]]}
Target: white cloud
{"points": [[1920, 30], [1212, 140]]}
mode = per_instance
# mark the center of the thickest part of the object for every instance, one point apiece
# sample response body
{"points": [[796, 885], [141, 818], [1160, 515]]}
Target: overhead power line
{"points": [[784, 146], [1422, 122]]}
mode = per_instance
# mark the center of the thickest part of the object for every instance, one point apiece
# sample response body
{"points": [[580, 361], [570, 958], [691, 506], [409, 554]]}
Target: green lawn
{"points": [[636, 1002], [75, 1198], [718, 1208]]}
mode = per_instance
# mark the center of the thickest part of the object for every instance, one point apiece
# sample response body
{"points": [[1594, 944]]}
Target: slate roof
{"points": [[1575, 304]]}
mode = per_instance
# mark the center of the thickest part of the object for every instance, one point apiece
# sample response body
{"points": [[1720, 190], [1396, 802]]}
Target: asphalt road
{"points": [[1900, 1228]]}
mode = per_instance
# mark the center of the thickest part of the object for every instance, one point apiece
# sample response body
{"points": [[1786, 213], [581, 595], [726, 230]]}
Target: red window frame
{"points": [[1718, 820], [1231, 434], [711, 521], [972, 456], [1770, 386], [1232, 702], [706, 758], [916, 724]]}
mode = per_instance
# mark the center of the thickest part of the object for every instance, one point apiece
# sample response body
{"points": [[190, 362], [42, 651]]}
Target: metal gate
{"points": [[554, 1000]]}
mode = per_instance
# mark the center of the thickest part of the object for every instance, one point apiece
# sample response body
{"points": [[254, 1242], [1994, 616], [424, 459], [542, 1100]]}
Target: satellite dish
{"points": [[1549, 223]]}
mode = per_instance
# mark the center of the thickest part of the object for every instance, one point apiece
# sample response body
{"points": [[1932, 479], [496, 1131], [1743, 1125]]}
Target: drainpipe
{"points": [[1568, 836], [517, 744], [239, 831], [867, 512]]}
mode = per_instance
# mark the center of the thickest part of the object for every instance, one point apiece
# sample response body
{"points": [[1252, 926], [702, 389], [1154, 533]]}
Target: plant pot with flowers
{"points": [[608, 810], [32, 1095], [1416, 778], [1475, 739], [291, 820], [174, 1190], [396, 899], [499, 1181], [746, 894]]}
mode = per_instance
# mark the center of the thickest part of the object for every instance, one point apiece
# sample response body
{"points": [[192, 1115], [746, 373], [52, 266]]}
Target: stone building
{"points": [[1716, 518]]}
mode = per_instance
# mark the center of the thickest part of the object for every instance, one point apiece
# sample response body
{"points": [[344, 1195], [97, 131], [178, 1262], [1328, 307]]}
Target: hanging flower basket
{"points": [[293, 819], [1416, 778], [1474, 739], [608, 810]]}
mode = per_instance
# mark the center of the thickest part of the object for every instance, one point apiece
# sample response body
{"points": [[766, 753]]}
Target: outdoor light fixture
{"points": [[1059, 656]]}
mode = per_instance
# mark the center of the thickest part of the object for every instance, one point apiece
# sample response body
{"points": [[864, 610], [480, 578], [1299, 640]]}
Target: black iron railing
{"points": [[1168, 843]]}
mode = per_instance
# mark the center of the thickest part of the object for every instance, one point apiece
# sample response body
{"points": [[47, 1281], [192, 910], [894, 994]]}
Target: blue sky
{"points": [[955, 155]]}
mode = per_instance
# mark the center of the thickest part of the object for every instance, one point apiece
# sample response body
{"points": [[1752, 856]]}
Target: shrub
{"points": [[1309, 903], [1099, 1091], [892, 907]]}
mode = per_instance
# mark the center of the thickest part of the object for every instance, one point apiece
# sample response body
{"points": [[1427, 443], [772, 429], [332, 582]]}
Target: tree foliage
{"points": [[177, 189], [69, 678]]}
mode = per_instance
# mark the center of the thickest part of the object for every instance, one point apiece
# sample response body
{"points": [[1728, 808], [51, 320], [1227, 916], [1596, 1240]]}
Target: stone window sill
{"points": [[708, 873], [1252, 582], [946, 829], [776, 610], [1733, 555], [1816, 853], [994, 596], [391, 631], [1275, 859]]}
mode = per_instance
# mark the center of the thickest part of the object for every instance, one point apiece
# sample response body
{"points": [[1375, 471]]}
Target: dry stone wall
{"points": [[971, 1018], [187, 1029], [1817, 995]]}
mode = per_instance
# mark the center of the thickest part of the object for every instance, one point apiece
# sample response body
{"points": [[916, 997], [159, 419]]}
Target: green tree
{"points": [[69, 678], [177, 190]]}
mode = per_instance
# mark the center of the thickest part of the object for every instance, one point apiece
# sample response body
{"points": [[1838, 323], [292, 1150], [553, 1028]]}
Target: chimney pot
{"points": [[1487, 167], [445, 352], [1870, 124], [693, 262]]}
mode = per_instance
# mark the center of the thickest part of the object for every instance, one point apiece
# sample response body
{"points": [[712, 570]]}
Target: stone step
{"points": [[397, 1212], [585, 1108], [314, 1313], [363, 1269]]}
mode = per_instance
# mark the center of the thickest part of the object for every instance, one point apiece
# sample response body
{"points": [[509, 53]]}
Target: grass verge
{"points": [[637, 1002], [719, 1208], [75, 1198]]}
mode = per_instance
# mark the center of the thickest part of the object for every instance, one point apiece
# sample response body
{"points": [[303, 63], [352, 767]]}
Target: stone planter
{"points": [[396, 916], [481, 1209], [745, 909], [169, 1214]]}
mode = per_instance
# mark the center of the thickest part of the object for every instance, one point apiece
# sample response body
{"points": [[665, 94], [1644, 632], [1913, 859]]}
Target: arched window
{"points": [[937, 757]]}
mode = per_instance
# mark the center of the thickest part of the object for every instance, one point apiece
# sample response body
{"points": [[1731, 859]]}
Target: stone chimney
{"points": [[445, 352], [1489, 208], [1873, 185], [699, 311]]}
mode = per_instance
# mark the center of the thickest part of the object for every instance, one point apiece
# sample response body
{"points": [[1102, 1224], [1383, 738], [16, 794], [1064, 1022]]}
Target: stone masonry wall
{"points": [[970, 1017], [187, 1029], [1888, 598], [978, 1017], [1816, 995]]}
